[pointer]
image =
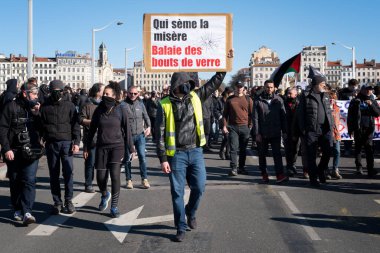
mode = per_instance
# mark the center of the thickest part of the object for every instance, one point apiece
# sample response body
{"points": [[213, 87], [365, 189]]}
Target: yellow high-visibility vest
{"points": [[170, 122]]}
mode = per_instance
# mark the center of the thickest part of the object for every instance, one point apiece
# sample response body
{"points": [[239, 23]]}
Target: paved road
{"points": [[236, 215]]}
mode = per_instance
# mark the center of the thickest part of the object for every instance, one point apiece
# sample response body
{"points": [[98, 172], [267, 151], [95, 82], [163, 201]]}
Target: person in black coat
{"points": [[20, 140], [314, 121], [269, 121], [61, 131], [111, 122], [362, 112]]}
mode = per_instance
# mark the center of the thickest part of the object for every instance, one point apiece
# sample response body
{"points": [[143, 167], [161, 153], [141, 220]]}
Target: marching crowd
{"points": [[185, 120]]}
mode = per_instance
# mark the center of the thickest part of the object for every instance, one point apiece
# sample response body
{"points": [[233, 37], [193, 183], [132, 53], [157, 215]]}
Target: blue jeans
{"points": [[22, 183], [336, 154], [139, 142], [186, 166], [89, 165], [60, 152]]}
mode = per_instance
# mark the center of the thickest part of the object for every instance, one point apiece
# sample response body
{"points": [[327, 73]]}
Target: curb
{"points": [[3, 172]]}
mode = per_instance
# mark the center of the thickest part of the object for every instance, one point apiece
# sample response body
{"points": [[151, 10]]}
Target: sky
{"points": [[284, 26]]}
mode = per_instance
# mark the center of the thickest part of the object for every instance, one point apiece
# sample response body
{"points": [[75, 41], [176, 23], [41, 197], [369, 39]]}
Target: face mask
{"points": [[185, 88], [32, 103], [56, 95], [108, 101]]}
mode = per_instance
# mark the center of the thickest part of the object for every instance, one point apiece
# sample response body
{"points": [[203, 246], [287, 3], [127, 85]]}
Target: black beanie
{"points": [[317, 80], [56, 85]]}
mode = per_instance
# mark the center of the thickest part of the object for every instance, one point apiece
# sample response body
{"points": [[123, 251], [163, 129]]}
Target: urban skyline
{"points": [[64, 25]]}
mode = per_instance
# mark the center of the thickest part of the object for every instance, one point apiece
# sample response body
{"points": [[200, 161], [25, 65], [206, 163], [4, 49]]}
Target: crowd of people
{"points": [[184, 121]]}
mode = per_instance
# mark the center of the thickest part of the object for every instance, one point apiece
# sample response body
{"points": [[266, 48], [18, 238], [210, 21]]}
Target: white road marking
{"points": [[186, 196], [377, 201], [52, 223], [305, 225], [120, 227], [152, 220]]}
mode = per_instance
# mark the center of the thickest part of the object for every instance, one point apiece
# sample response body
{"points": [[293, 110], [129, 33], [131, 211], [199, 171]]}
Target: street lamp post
{"points": [[94, 30], [126, 69], [30, 38], [353, 56]]}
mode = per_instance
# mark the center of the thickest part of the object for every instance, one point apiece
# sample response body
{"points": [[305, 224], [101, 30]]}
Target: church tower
{"points": [[103, 55]]}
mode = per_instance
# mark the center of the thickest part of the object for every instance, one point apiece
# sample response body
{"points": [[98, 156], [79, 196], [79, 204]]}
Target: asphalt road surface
{"points": [[237, 214]]}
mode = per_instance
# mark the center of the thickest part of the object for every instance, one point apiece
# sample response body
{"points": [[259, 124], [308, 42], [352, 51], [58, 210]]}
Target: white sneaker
{"points": [[17, 216], [129, 184], [28, 219]]}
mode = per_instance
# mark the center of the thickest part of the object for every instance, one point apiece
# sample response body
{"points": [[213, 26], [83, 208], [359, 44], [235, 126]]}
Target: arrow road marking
{"points": [[121, 226], [377, 201], [52, 223]]}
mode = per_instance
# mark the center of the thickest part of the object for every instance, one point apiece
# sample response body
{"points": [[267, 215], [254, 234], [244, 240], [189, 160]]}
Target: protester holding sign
{"points": [[180, 137], [361, 123]]}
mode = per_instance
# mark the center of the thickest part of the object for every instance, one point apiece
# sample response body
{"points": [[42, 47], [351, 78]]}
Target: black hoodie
{"points": [[10, 93], [185, 125]]}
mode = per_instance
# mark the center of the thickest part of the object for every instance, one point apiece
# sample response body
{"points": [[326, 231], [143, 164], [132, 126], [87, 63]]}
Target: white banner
{"points": [[187, 42], [343, 105]]}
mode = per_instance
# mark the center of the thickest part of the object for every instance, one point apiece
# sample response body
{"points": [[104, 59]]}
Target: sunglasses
{"points": [[134, 94]]}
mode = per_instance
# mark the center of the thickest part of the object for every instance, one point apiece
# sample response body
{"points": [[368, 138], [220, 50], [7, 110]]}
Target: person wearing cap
{"points": [[237, 121], [61, 131], [180, 137], [21, 148], [314, 123], [362, 112]]}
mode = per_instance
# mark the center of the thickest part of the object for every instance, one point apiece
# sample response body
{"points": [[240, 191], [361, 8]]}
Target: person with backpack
{"points": [[110, 121], [237, 122]]}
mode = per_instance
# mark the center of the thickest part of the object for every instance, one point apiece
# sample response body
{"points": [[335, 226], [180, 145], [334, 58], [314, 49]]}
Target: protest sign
{"points": [[343, 107], [187, 42]]}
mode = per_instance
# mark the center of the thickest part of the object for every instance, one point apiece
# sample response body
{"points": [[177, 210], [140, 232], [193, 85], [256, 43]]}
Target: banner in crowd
{"points": [[187, 42], [343, 105]]}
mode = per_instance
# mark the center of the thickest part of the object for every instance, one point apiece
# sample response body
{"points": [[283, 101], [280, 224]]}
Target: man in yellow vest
{"points": [[180, 137]]}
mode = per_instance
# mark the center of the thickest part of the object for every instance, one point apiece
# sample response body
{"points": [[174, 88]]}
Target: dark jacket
{"points": [[138, 116], [185, 125], [86, 113], [307, 113], [9, 94], [291, 109], [362, 116], [60, 121], [346, 94], [207, 108], [112, 127], [15, 118], [269, 120], [151, 107]]}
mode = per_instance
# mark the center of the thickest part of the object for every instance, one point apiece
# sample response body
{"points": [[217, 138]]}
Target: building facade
{"points": [[333, 73], [74, 69], [119, 76], [149, 81], [315, 56], [262, 64]]}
